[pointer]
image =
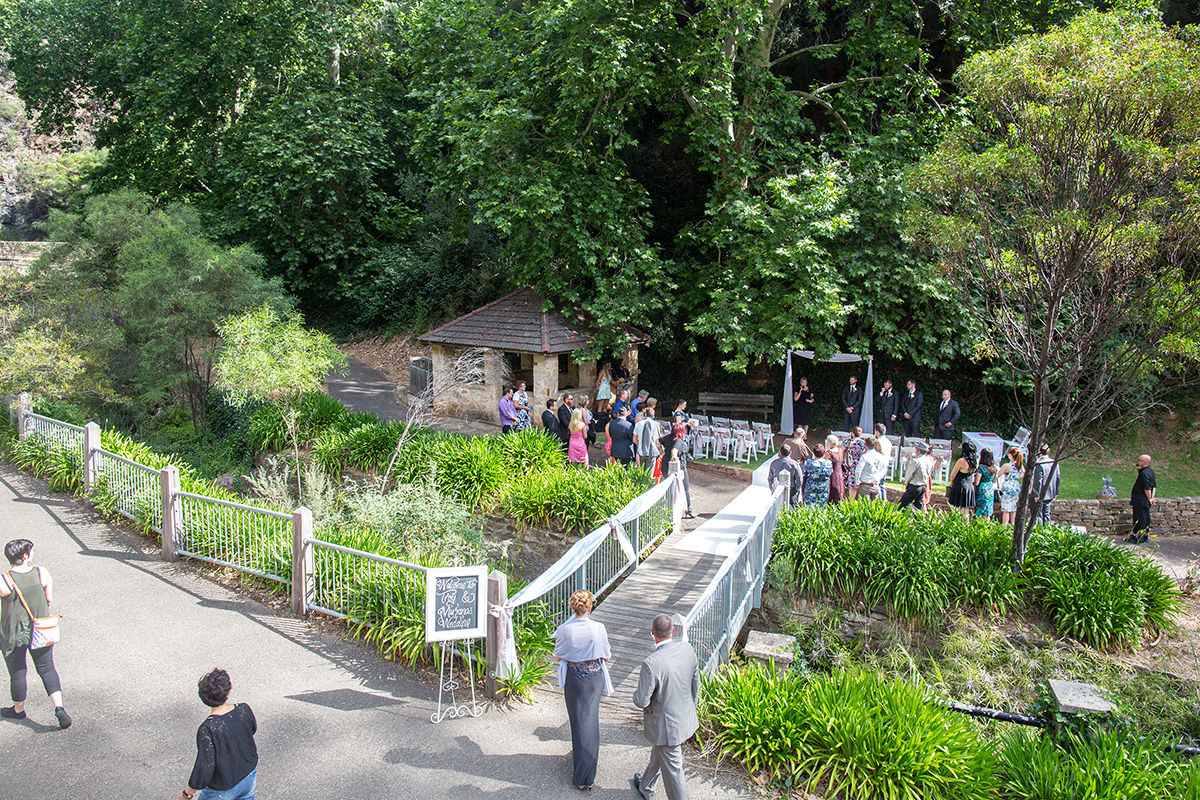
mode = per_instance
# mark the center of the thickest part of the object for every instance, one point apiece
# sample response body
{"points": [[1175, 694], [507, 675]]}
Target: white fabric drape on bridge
{"points": [[569, 563], [866, 420]]}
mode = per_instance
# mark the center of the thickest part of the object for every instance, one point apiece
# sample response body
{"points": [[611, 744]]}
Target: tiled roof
{"points": [[517, 323]]}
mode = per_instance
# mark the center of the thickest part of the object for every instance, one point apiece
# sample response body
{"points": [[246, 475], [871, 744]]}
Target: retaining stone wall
{"points": [[1172, 516]]}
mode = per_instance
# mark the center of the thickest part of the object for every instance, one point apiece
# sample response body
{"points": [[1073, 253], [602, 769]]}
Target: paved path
{"points": [[334, 720]]}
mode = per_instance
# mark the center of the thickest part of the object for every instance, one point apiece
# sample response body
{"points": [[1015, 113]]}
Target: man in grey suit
{"points": [[668, 689]]}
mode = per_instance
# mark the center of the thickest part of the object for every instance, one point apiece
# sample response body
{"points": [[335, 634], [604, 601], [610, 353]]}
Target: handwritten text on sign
{"points": [[455, 603]]}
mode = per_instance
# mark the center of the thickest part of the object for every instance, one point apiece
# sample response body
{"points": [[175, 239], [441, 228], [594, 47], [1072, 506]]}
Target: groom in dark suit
{"points": [[947, 416], [889, 406], [852, 400], [668, 689]]}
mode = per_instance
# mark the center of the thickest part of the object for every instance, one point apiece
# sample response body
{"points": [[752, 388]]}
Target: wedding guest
{"points": [[837, 478], [947, 416], [1044, 485], [26, 593], [781, 464], [1141, 498], [521, 404], [508, 411], [961, 491], [985, 485], [872, 470], [854, 451], [852, 401], [582, 651], [818, 472], [918, 476], [577, 446], [668, 690], [884, 444], [680, 455], [1011, 475], [226, 765], [604, 393], [889, 407]]}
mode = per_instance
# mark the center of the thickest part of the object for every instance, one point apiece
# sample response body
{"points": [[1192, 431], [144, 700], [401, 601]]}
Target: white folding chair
{"points": [[894, 467], [721, 422], [943, 466], [739, 425], [763, 435], [702, 442], [722, 439], [744, 447], [702, 419]]}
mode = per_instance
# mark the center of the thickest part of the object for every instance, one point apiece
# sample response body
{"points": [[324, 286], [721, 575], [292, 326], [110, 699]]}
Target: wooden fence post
{"points": [[91, 443], [497, 593], [171, 521], [303, 562]]}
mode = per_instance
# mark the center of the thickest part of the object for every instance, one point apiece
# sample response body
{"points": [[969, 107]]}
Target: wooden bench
{"points": [[728, 404]]}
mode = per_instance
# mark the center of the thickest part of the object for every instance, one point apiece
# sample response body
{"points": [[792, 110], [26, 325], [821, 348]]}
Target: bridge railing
{"points": [[597, 561], [717, 618]]}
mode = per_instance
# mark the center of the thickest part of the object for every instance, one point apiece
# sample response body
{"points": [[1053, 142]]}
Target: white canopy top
{"points": [[786, 423]]}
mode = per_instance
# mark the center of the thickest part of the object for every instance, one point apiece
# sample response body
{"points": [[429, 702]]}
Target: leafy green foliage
{"points": [[860, 735], [923, 566], [573, 499], [1109, 766]]}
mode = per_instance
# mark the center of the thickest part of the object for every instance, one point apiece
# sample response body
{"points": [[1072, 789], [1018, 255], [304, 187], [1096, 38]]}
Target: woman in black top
{"points": [[802, 405], [226, 758]]}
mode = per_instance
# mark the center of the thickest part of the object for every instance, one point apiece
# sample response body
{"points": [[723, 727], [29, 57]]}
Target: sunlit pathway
{"points": [[334, 721]]}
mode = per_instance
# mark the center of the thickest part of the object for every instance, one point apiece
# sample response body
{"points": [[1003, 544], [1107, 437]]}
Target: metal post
{"points": [[785, 480], [91, 444], [24, 408], [633, 532], [303, 568], [581, 577], [727, 627], [497, 593], [171, 518]]}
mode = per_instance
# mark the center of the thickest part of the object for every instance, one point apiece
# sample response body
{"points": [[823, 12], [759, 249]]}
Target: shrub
{"points": [[316, 412], [922, 566], [531, 451], [1110, 766], [573, 499], [861, 735]]}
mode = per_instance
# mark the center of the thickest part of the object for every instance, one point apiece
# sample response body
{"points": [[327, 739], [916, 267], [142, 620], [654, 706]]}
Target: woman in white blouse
{"points": [[582, 651]]}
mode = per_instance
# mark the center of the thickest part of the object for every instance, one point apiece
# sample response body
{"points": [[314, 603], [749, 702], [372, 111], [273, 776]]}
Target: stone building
{"points": [[535, 345]]}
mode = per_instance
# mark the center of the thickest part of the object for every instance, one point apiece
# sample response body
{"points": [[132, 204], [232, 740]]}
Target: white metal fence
{"points": [[257, 541], [715, 621], [131, 489], [62, 435], [355, 584], [598, 561]]}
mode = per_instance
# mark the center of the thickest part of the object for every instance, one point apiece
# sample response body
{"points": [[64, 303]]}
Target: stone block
{"points": [[767, 647], [1079, 698]]}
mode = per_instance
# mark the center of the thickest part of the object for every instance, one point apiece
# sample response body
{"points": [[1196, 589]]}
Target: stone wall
{"points": [[471, 400], [1172, 516], [530, 550]]}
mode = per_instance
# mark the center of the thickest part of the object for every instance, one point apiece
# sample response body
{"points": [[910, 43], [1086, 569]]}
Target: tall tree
{"points": [[1068, 209]]}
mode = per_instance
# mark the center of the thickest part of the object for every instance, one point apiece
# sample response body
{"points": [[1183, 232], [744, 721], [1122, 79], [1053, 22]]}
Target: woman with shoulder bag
{"points": [[25, 596]]}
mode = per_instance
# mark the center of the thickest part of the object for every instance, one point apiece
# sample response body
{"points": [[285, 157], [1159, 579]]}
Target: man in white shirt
{"points": [[885, 447], [872, 469]]}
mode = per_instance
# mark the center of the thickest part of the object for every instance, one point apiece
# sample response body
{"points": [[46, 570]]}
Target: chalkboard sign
{"points": [[455, 603]]}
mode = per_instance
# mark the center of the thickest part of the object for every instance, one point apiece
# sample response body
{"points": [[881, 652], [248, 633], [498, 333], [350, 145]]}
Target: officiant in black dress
{"points": [[802, 405]]}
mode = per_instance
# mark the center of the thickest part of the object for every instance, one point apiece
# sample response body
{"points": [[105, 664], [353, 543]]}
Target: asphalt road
{"points": [[334, 720]]}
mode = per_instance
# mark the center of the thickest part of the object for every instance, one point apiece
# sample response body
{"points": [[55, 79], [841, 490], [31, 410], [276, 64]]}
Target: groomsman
{"points": [[910, 410], [889, 406], [947, 416], [852, 400]]}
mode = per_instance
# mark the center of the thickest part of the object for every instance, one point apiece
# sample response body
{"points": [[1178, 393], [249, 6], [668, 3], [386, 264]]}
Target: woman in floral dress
{"points": [[854, 452], [985, 485], [521, 401], [817, 472]]}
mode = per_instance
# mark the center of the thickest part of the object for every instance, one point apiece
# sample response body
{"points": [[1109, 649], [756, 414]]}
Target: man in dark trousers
{"points": [[1141, 499], [1043, 488], [565, 409], [889, 406], [621, 432], [910, 409], [852, 400], [550, 419], [668, 689], [946, 417]]}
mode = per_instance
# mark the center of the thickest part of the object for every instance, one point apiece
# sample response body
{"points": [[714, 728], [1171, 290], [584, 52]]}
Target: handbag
{"points": [[45, 630]]}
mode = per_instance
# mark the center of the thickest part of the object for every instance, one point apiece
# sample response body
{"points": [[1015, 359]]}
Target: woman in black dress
{"points": [[961, 491], [802, 404]]}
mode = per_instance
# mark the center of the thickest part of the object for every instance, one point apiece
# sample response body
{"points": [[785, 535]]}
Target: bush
{"points": [[573, 499], [860, 735], [922, 566], [1110, 766]]}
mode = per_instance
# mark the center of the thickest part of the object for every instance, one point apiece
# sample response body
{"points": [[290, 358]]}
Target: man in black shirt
{"points": [[1141, 499], [852, 400]]}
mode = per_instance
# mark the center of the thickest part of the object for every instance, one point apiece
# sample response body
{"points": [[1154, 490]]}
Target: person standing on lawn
{"points": [[947, 416], [852, 401], [1043, 488], [920, 471], [910, 410], [1142, 497], [889, 407]]}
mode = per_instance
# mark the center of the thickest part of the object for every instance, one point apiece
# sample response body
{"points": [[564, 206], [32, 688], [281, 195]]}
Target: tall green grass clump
{"points": [[573, 499], [922, 566], [1108, 766], [855, 733]]}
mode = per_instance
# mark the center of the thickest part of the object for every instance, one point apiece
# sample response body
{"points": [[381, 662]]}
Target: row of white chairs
{"points": [[731, 439]]}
